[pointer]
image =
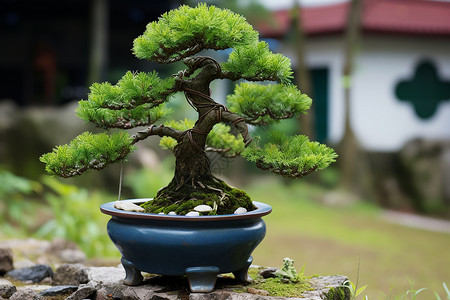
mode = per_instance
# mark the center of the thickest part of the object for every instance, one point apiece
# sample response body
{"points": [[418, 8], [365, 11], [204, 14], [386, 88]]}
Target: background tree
{"points": [[139, 98], [348, 146]]}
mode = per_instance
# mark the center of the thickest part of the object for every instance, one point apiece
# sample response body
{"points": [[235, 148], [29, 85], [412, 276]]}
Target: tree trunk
{"points": [[303, 78], [349, 145], [99, 41]]}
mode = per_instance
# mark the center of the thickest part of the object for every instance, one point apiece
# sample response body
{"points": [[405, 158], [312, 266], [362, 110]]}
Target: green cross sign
{"points": [[424, 90]]}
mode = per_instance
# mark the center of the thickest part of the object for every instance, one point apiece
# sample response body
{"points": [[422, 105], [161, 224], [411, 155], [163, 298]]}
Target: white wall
{"points": [[381, 121]]}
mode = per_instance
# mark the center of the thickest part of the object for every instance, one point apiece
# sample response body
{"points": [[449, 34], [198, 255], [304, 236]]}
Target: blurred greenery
{"points": [[52, 209]]}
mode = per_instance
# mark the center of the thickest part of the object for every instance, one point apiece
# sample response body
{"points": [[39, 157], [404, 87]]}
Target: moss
{"points": [[276, 287], [216, 193], [340, 293]]}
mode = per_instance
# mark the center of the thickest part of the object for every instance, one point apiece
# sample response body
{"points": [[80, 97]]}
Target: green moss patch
{"points": [[276, 287], [223, 198]]}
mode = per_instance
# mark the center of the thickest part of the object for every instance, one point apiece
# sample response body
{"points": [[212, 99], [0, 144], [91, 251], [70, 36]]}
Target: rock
{"points": [[83, 292], [72, 256], [328, 287], [66, 251], [6, 260], [145, 291], [26, 294], [128, 206], [59, 290], [268, 272], [99, 276], [240, 210], [193, 214], [6, 288], [34, 274], [257, 291], [70, 274], [172, 213], [203, 208]]}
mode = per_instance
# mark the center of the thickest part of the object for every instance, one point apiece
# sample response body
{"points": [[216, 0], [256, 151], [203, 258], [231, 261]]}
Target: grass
{"points": [[351, 240]]}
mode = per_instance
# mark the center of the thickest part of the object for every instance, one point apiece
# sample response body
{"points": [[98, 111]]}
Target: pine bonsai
{"points": [[138, 100]]}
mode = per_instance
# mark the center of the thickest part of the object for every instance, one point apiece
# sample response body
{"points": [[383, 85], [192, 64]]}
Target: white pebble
{"points": [[193, 214], [240, 210], [172, 213], [127, 206], [161, 213], [203, 208]]}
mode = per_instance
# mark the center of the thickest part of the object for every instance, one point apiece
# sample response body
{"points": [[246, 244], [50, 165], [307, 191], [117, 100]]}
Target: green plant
{"points": [[354, 290], [16, 201], [75, 217], [447, 292], [139, 98]]}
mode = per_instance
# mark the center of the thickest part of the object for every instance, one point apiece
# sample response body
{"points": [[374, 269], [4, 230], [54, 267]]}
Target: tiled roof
{"points": [[390, 16]]}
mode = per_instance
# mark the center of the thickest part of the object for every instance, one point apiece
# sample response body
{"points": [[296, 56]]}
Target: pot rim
{"points": [[109, 209]]}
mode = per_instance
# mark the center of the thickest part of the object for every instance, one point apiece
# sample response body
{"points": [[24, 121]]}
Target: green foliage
{"points": [[87, 151], [15, 202], [291, 156], [134, 101], [76, 218], [186, 31], [220, 139], [353, 289], [266, 104], [447, 292], [257, 62]]}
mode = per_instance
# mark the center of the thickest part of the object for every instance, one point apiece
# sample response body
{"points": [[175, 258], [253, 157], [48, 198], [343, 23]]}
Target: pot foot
{"points": [[242, 274], [202, 279], [132, 275]]}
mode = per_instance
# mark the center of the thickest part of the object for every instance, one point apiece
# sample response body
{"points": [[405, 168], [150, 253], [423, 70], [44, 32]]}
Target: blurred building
{"points": [[401, 84], [50, 50]]}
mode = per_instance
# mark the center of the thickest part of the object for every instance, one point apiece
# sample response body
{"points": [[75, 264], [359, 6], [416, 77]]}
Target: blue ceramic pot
{"points": [[199, 247]]}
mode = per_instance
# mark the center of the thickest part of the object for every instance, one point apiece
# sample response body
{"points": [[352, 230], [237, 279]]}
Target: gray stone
{"points": [[35, 287], [26, 294], [100, 276], [72, 256], [6, 260], [70, 274], [83, 292], [128, 206], [66, 251], [34, 274], [59, 290], [328, 287], [6, 288], [268, 272], [146, 291]]}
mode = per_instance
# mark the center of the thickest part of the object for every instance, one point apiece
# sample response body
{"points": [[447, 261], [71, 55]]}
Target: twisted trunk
{"points": [[193, 182]]}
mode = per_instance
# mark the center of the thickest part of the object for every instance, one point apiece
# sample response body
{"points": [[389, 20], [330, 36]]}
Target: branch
{"points": [[239, 123], [235, 77], [160, 130]]}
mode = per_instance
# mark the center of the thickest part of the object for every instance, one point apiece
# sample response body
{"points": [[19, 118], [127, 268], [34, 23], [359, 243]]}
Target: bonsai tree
{"points": [[138, 100]]}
